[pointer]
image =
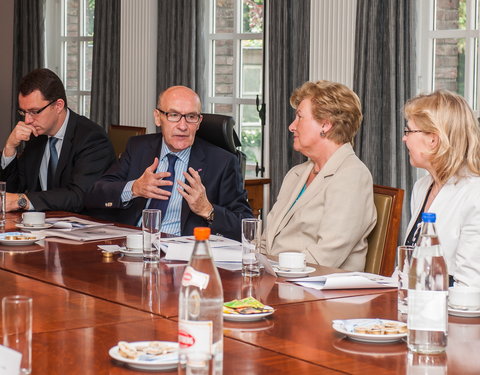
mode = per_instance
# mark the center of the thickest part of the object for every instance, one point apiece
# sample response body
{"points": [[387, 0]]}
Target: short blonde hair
{"points": [[449, 116], [335, 103]]}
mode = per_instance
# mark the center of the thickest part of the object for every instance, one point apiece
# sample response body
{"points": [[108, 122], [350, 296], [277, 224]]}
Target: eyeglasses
{"points": [[34, 112], [407, 131], [191, 118]]}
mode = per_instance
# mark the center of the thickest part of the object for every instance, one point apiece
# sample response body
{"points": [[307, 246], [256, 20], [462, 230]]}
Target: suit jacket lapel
{"points": [[67, 147], [35, 155], [197, 161]]}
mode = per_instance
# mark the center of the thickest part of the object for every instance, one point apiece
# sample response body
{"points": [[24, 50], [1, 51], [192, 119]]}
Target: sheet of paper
{"points": [[92, 233], [183, 251], [267, 265], [72, 222], [214, 241], [348, 280], [9, 361]]}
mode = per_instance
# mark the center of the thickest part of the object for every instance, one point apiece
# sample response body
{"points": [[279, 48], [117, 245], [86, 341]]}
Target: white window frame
{"points": [[426, 53], [55, 48], [237, 36]]}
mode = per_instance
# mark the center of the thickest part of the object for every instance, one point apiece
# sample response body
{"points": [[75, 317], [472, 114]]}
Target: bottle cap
{"points": [[201, 233], [429, 217]]}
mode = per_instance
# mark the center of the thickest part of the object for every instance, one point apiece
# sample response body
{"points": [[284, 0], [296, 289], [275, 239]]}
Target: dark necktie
{"points": [[52, 162], [163, 204]]}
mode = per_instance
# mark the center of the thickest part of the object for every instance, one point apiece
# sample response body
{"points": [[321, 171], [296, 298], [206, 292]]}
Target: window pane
{"points": [[224, 16], [87, 51], [72, 11], [252, 16], [223, 109], [251, 69], [450, 15], [86, 105], [450, 65], [72, 100], [223, 81], [251, 136], [89, 8], [71, 68]]}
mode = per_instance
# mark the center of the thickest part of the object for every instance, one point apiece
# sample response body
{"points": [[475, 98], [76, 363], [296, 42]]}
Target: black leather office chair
{"points": [[220, 131]]}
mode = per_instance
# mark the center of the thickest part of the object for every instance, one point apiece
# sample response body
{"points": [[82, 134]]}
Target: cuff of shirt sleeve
{"points": [[127, 193]]}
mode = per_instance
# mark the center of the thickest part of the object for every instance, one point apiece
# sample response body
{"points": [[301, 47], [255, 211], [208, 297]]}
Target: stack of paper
{"points": [[223, 249], [348, 280]]}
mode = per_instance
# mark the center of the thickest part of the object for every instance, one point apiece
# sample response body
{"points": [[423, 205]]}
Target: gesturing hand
{"points": [[149, 184], [195, 194]]}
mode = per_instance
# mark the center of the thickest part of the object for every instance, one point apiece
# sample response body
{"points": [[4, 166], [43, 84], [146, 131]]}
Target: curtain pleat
{"points": [[288, 44], [384, 79], [28, 45], [181, 48], [105, 99]]}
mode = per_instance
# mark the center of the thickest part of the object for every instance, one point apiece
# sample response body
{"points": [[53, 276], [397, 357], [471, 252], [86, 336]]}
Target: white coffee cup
{"points": [[33, 219], [291, 260], [464, 297], [135, 242]]}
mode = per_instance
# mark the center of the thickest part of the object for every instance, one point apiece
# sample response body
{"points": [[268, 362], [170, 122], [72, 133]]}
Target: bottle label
{"points": [[427, 310], [192, 277], [195, 335]]}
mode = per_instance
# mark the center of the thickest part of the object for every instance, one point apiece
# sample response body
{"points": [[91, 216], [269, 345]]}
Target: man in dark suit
{"points": [[63, 153], [206, 190]]}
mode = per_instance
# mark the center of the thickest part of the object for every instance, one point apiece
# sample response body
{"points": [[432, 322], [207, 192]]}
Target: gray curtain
{"points": [[181, 45], [288, 44], [28, 45], [384, 79], [105, 99]]}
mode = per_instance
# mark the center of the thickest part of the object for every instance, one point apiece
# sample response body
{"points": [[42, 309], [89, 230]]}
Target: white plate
{"points": [[339, 327], [163, 362], [131, 253], [464, 313], [37, 227], [247, 317], [3, 241], [291, 274]]}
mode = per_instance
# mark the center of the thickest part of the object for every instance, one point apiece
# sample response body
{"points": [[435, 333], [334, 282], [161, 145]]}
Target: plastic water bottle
{"points": [[200, 324], [427, 293]]}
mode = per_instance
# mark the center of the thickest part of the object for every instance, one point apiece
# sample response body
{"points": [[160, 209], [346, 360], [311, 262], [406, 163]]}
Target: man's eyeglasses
{"points": [[34, 112], [407, 131], [191, 118]]}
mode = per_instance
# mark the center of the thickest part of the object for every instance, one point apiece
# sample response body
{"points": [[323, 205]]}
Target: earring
{"points": [[322, 134]]}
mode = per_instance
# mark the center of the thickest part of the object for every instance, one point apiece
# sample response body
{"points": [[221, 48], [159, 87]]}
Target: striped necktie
{"points": [[163, 204]]}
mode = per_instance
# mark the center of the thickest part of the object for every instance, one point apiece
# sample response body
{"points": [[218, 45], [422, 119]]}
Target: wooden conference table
{"points": [[84, 304]]}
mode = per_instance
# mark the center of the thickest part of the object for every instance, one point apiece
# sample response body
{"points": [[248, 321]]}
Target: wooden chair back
{"points": [[382, 242], [120, 134]]}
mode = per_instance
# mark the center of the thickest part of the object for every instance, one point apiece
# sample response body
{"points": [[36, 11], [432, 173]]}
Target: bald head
{"points": [[179, 93]]}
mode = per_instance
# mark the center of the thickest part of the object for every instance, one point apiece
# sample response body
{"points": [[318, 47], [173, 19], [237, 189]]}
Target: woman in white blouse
{"points": [[443, 136]]}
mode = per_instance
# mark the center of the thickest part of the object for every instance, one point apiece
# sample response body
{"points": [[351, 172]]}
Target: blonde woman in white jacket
{"points": [[443, 136]]}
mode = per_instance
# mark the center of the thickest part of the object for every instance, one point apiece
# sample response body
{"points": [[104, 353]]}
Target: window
{"points": [[235, 61], [449, 48], [69, 29]]}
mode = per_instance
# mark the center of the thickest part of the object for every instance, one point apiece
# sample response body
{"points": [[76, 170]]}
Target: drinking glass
{"points": [[17, 328], [404, 261], [151, 225], [199, 363], [251, 232], [3, 193]]}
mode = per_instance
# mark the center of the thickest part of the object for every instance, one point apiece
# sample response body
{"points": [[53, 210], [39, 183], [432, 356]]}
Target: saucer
{"points": [[289, 274], [463, 313], [346, 328], [161, 362], [20, 241], [131, 252], [33, 227]]}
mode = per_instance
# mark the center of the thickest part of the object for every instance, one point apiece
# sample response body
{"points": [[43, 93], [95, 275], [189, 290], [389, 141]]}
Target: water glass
{"points": [[251, 233], [17, 328], [404, 261], [3, 203], [151, 226]]}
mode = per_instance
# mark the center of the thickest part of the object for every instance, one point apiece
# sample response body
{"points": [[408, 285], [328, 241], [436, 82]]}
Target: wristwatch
{"points": [[22, 201], [211, 216]]}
